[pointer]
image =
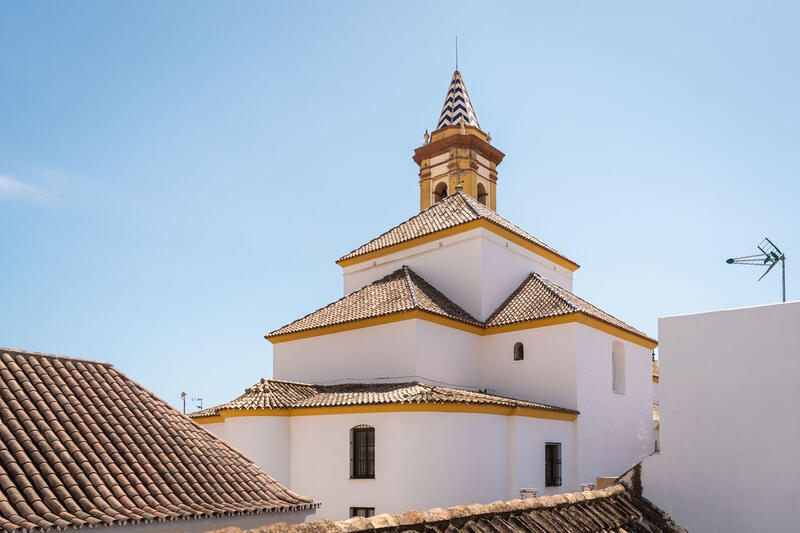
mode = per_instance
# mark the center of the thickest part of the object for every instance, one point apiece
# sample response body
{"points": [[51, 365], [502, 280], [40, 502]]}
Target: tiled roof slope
{"points": [[455, 210], [611, 510], [82, 445], [457, 108], [400, 291], [538, 297], [275, 394]]}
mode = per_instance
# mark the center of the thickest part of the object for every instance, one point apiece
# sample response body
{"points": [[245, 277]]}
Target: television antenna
{"points": [[199, 404], [770, 256]]}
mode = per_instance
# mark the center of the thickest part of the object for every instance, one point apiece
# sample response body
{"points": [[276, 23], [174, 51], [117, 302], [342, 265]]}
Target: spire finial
{"points": [[456, 52]]}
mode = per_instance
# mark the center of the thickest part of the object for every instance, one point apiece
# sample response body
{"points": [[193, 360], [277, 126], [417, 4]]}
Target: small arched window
{"points": [[618, 368], [519, 352], [362, 452], [440, 192], [482, 194]]}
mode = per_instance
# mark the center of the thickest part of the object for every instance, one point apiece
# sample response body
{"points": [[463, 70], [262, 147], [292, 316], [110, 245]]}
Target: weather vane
{"points": [[770, 255]]}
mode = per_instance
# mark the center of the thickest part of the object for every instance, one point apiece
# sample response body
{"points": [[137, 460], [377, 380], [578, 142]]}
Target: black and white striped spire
{"points": [[457, 107]]}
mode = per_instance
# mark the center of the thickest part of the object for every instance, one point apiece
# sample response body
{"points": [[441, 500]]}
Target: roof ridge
{"points": [[546, 283], [407, 272], [383, 279], [507, 300], [11, 351], [465, 198], [432, 206]]}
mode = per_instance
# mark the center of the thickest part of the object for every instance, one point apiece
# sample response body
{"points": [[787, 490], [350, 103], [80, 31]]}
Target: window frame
{"points": [[552, 464], [368, 512], [362, 452]]}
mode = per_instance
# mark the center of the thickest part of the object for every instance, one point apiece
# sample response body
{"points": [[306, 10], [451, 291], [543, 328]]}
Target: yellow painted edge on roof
{"points": [[580, 318], [529, 412], [655, 379], [480, 223], [376, 321]]}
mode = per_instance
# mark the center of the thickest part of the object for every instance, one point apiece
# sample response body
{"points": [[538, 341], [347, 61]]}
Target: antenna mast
{"points": [[770, 255], [456, 52]]}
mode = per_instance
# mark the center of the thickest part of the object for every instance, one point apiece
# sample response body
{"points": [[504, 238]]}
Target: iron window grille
{"points": [[552, 464], [362, 452], [366, 512]]}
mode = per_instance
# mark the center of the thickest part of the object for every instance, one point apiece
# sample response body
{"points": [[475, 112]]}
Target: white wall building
{"points": [[458, 351], [731, 430]]}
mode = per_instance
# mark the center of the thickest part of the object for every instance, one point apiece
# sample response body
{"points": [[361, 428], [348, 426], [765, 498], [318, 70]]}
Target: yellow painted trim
{"points": [[528, 412], [377, 321], [579, 318], [480, 223], [655, 379]]}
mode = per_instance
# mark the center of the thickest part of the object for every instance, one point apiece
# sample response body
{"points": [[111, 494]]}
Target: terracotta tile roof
{"points": [[538, 297], [400, 291], [455, 210], [655, 368], [611, 510], [275, 394], [82, 445]]}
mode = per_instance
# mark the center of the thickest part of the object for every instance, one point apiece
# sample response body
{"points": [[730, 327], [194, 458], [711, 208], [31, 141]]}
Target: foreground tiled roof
{"points": [[611, 510], [82, 445], [275, 394], [400, 291], [455, 210], [538, 298]]}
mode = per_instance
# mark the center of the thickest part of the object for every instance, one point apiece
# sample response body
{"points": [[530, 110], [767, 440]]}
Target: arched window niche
{"points": [[519, 352], [440, 192], [618, 367], [483, 196]]}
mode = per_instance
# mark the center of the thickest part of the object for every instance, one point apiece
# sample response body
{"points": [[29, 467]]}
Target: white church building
{"points": [[458, 367]]}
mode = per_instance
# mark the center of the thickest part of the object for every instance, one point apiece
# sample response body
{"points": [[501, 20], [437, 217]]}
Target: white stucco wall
{"points": [[547, 374], [387, 350], [730, 430], [476, 269], [615, 431], [408, 350], [422, 459]]}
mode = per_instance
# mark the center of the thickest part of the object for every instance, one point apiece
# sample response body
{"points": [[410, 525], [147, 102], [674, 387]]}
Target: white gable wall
{"points": [[476, 269], [547, 374]]}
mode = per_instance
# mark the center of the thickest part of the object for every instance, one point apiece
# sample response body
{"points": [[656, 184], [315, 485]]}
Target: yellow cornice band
{"points": [[529, 412], [480, 223], [580, 318]]}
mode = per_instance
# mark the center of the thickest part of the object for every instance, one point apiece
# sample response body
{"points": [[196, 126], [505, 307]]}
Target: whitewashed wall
{"points": [[547, 374], [422, 459], [475, 269], [730, 428], [615, 431], [356, 355]]}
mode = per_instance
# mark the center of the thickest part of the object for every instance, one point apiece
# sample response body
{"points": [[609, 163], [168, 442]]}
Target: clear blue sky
{"points": [[177, 178]]}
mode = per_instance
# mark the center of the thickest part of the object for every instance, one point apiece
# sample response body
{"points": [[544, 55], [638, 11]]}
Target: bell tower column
{"points": [[458, 152]]}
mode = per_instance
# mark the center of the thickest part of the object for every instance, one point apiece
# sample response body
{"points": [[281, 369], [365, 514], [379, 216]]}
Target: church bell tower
{"points": [[457, 153]]}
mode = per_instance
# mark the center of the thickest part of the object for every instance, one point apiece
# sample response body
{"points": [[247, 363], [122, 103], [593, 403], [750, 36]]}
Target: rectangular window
{"points": [[552, 464], [366, 512], [362, 452]]}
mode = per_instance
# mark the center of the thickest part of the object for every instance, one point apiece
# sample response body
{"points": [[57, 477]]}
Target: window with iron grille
{"points": [[552, 464], [366, 512], [362, 452]]}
